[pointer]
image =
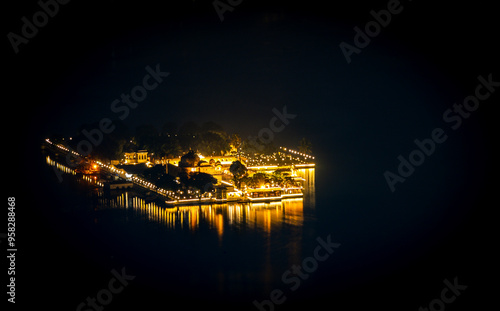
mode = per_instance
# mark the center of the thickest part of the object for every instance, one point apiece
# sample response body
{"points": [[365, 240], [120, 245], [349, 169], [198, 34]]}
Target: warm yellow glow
{"points": [[265, 167], [305, 165], [260, 211]]}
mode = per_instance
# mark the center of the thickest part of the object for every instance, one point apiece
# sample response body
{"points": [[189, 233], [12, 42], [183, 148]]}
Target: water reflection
{"points": [[265, 216], [260, 216], [248, 245], [308, 177], [59, 166]]}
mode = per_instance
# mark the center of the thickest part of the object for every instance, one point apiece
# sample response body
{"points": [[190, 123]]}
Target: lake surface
{"points": [[220, 250], [234, 254]]}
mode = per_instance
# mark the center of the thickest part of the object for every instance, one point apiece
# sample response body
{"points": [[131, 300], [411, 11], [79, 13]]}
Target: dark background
{"points": [[359, 117]]}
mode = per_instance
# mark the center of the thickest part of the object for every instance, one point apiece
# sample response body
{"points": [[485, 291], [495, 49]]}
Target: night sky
{"points": [[358, 116]]}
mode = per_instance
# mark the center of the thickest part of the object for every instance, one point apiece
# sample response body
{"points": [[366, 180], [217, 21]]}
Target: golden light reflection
{"points": [[262, 216], [308, 175], [59, 166]]}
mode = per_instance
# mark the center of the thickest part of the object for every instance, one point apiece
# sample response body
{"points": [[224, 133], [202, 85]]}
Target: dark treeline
{"points": [[171, 140]]}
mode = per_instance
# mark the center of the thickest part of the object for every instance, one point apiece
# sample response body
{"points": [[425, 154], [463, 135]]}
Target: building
{"points": [[141, 156], [213, 165]]}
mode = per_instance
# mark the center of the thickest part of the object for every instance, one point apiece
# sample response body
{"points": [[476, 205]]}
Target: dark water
{"points": [[220, 251], [229, 255], [396, 248]]}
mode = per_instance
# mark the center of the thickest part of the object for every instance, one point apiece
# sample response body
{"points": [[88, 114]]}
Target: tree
{"points": [[146, 136], [289, 182], [189, 128], [212, 143], [105, 147], [190, 159], [212, 139], [259, 179], [202, 181], [305, 146], [166, 181], [169, 128], [277, 177], [154, 173], [189, 135], [213, 127], [235, 141], [238, 170], [170, 147]]}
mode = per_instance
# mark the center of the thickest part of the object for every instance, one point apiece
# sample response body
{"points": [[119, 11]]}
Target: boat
{"points": [[266, 194], [273, 193]]}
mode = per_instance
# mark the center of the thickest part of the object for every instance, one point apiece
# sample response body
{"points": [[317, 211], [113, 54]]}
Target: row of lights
{"points": [[134, 178], [296, 152], [61, 167], [265, 160], [175, 194], [93, 180], [62, 147]]}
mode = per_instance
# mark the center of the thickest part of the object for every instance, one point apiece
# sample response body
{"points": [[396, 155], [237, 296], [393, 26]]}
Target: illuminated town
{"points": [[194, 178]]}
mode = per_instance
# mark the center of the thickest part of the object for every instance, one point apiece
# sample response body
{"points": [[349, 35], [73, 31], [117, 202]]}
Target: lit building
{"points": [[141, 156], [214, 165]]}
